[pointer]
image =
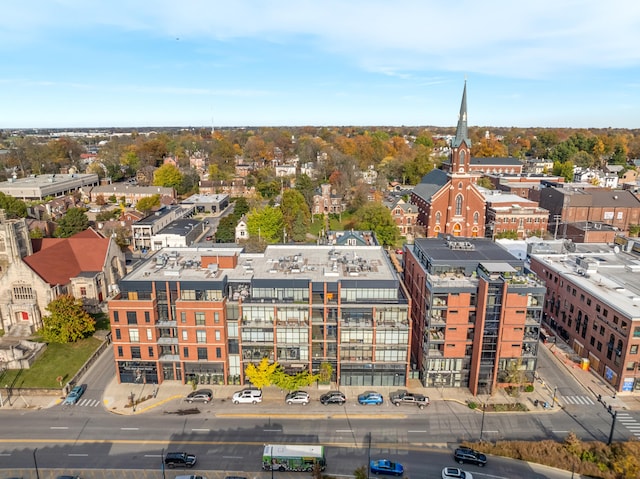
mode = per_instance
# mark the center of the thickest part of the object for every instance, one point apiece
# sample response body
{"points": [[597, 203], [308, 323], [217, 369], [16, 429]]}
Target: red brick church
{"points": [[449, 202]]}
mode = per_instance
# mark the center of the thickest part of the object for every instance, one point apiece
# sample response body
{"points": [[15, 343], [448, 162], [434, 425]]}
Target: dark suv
{"points": [[471, 456], [179, 459], [333, 397]]}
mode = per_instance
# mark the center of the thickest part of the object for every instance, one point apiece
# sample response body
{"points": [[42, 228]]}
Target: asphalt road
{"points": [[229, 437]]}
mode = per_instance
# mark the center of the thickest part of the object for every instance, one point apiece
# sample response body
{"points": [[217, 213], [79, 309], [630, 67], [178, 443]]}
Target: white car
{"points": [[247, 396], [455, 473], [297, 397]]}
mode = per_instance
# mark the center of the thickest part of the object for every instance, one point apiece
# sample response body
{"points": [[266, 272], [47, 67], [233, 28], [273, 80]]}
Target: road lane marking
{"points": [[232, 457], [344, 430], [272, 430], [153, 455], [201, 430], [426, 431], [560, 432], [58, 427], [129, 428], [494, 432], [77, 455], [5, 455]]}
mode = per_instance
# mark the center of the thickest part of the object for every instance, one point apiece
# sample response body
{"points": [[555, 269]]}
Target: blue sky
{"points": [[93, 63]]}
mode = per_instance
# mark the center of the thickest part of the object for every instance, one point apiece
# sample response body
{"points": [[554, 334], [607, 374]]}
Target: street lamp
{"points": [[484, 408], [369, 455], [35, 462]]}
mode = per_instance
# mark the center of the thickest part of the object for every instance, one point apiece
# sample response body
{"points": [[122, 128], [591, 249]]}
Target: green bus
{"points": [[292, 457]]}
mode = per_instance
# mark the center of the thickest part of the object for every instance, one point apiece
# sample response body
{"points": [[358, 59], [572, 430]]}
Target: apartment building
{"points": [[592, 302], [475, 313], [206, 313], [144, 231]]}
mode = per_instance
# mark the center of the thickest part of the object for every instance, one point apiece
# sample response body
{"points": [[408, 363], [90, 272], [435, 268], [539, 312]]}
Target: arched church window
{"points": [[458, 205], [476, 217], [438, 217]]}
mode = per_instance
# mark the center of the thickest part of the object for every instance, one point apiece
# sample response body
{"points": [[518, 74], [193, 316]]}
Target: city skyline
{"points": [[73, 64]]}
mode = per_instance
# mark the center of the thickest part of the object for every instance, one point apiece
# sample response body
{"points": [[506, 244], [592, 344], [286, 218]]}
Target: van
{"points": [[247, 396]]}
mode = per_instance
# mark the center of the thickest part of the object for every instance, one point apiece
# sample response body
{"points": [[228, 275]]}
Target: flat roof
{"points": [[302, 263], [611, 275]]}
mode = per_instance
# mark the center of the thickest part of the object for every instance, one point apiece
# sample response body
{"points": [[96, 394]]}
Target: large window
{"points": [[134, 336], [201, 336], [202, 353], [200, 319], [131, 317], [135, 352], [23, 292]]}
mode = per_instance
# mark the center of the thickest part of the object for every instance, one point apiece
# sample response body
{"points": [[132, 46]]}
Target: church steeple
{"points": [[462, 133]]}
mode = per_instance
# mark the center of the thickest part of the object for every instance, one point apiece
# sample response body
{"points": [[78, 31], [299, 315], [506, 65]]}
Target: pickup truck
{"points": [[405, 397]]}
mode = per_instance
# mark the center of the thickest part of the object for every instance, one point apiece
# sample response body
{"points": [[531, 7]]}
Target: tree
{"points": [[74, 221], [67, 321], [167, 175], [13, 207], [148, 203], [485, 182], [241, 207], [226, 231], [563, 169], [290, 382], [37, 233], [292, 205], [265, 224], [300, 228], [305, 186], [377, 218], [261, 375]]}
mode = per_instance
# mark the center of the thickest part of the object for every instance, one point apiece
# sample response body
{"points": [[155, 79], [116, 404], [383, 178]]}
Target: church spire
{"points": [[462, 133]]}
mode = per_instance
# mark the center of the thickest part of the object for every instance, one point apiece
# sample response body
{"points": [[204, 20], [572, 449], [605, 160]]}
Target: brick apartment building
{"points": [[475, 313], [592, 302], [206, 313]]}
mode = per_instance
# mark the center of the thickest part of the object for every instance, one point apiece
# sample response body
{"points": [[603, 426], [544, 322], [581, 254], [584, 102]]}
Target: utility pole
{"points": [[613, 425], [557, 219], [484, 408]]}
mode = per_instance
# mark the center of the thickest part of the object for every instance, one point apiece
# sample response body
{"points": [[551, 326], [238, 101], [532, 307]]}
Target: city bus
{"points": [[292, 457]]}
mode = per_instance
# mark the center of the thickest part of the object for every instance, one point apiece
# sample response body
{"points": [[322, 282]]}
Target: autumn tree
{"points": [[377, 218], [291, 382], [148, 203], [488, 147], [261, 375], [266, 224], [67, 321], [74, 221], [167, 175]]}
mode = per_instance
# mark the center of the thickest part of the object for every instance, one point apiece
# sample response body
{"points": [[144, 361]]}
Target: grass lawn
{"points": [[57, 360]]}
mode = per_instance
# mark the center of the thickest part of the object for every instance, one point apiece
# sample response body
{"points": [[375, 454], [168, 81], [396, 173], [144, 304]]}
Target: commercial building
{"points": [[592, 299], [145, 230], [204, 314], [475, 313], [39, 187]]}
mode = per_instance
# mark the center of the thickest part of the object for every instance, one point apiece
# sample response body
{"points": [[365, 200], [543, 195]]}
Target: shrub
{"points": [[529, 388], [473, 405]]}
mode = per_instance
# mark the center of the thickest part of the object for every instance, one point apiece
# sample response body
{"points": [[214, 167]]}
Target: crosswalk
{"points": [[87, 402], [629, 422], [578, 400]]}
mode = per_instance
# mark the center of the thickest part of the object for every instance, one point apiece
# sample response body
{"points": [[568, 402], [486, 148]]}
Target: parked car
{"points": [[67, 477], [190, 477], [201, 395], [74, 394], [370, 397], [247, 396], [405, 397], [455, 473], [179, 459], [333, 397], [297, 397], [384, 466], [471, 456]]}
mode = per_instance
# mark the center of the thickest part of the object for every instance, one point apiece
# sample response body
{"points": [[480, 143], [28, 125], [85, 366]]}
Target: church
{"points": [[449, 202]]}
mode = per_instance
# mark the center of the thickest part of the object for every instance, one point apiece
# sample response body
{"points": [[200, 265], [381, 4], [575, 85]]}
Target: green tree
{"points": [[74, 221], [305, 186], [37, 233], [261, 375], [107, 215], [167, 175], [290, 382], [266, 224], [148, 203], [67, 321], [300, 228], [293, 204], [241, 207], [377, 218], [226, 231], [564, 169], [486, 183], [13, 207]]}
